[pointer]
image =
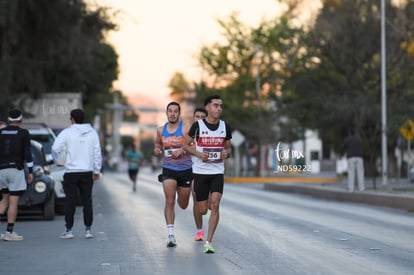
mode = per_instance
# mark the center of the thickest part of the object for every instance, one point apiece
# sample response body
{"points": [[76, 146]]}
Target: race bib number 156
{"points": [[214, 155]]}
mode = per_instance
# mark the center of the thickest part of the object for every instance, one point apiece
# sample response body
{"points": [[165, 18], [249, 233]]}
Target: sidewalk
{"points": [[397, 194]]}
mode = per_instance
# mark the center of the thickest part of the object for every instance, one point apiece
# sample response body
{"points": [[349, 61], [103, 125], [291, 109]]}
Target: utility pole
{"points": [[383, 99], [118, 110], [262, 149]]}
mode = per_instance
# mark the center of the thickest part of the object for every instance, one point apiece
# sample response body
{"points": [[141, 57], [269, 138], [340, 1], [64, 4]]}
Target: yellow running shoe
{"points": [[208, 248]]}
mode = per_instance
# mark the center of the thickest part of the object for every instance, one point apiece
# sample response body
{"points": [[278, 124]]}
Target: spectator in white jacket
{"points": [[77, 148]]}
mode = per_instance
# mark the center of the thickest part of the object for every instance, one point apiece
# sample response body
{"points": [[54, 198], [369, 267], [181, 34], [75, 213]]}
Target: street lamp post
{"points": [[383, 98], [262, 149], [118, 111]]}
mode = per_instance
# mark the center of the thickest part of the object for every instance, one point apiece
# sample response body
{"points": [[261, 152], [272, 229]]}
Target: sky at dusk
{"points": [[160, 37]]}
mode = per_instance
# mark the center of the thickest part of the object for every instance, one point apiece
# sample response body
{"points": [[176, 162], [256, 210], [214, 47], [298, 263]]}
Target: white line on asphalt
{"points": [[110, 269]]}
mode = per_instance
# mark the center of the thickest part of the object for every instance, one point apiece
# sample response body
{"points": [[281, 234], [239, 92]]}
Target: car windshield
{"points": [[42, 134], [45, 140], [37, 156]]}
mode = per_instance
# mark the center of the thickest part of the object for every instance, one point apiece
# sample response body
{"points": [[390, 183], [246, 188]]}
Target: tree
{"points": [[248, 71], [55, 46], [180, 88], [338, 84]]}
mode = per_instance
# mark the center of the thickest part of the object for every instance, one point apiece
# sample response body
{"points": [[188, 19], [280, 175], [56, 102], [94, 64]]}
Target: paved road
{"points": [[260, 232]]}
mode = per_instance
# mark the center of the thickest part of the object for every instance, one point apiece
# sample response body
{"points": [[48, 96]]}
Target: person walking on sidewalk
{"points": [[176, 166], [353, 148], [212, 138], [199, 113], [15, 150], [133, 158], [78, 149]]}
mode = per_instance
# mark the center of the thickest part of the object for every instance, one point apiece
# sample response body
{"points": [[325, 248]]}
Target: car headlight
{"points": [[38, 170], [40, 186]]}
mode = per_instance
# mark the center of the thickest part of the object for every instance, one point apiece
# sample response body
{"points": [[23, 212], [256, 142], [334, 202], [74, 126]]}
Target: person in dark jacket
{"points": [[354, 154], [15, 151]]}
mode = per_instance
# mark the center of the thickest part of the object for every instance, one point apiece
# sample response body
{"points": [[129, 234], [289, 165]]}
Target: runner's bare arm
{"points": [[188, 145], [158, 142], [179, 153], [227, 149]]}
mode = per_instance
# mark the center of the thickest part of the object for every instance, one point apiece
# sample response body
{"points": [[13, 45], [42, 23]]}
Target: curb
{"points": [[398, 201], [281, 179]]}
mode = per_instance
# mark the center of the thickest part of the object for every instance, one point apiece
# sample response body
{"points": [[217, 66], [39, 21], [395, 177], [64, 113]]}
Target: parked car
{"points": [[42, 133], [39, 197]]}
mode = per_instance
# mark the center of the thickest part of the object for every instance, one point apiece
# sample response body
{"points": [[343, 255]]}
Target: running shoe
{"points": [[66, 235], [171, 241], [88, 234], [199, 236], [208, 248], [12, 237]]}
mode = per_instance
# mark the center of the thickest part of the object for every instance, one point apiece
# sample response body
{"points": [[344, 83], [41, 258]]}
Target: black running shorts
{"points": [[183, 178], [206, 184]]}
